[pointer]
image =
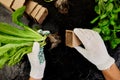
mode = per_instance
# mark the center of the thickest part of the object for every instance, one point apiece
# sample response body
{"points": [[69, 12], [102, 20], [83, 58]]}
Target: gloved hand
{"points": [[94, 48], [37, 67]]}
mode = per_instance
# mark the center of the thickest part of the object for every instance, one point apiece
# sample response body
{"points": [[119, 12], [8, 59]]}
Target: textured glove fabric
{"points": [[37, 68], [94, 48]]}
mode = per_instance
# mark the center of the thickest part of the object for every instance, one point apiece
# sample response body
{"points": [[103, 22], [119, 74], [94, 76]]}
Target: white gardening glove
{"points": [[37, 65], [94, 48]]}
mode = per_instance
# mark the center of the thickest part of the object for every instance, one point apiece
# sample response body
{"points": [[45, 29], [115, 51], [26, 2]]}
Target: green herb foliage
{"points": [[16, 42], [108, 22]]}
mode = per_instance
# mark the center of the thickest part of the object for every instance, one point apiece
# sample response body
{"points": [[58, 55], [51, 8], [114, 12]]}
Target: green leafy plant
{"points": [[108, 22], [48, 0], [16, 42]]}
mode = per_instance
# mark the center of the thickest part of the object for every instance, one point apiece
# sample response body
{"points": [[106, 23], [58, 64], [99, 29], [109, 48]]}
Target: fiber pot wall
{"points": [[62, 63]]}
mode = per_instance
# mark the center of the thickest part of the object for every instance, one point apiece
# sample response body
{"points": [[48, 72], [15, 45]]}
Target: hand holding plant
{"points": [[16, 42]]}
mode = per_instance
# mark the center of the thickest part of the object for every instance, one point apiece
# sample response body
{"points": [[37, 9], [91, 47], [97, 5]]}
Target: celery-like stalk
{"points": [[16, 42]]}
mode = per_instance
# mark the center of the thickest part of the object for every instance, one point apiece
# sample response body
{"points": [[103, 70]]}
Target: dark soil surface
{"points": [[63, 63]]}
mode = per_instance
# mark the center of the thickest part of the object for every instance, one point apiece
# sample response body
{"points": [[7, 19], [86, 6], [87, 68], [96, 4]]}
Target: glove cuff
{"points": [[37, 72], [107, 64], [36, 75]]}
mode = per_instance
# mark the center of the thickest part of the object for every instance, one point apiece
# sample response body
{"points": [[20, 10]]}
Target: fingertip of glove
{"points": [[36, 46], [76, 29], [35, 43]]}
